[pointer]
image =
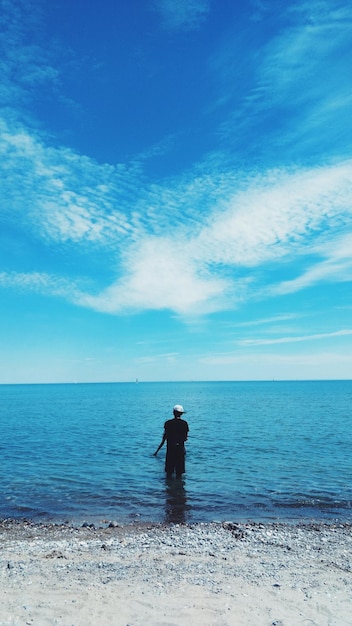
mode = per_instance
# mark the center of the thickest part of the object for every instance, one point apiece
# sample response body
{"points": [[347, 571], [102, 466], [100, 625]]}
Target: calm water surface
{"points": [[256, 450]]}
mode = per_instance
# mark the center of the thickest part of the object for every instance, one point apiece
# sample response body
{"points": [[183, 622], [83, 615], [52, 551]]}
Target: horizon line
{"points": [[167, 382]]}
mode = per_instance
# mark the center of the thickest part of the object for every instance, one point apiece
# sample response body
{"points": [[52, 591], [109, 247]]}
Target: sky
{"points": [[176, 190]]}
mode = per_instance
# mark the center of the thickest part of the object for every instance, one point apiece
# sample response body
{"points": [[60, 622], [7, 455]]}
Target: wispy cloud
{"points": [[298, 93], [182, 14], [277, 215], [168, 358], [295, 339], [336, 267], [299, 71], [309, 39], [327, 271], [25, 65], [40, 283], [55, 191], [284, 365], [268, 320], [170, 256]]}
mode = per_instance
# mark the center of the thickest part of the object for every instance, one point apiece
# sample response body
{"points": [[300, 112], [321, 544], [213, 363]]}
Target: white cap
{"points": [[179, 408]]}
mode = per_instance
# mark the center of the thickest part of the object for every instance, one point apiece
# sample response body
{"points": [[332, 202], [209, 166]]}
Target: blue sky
{"points": [[176, 194]]}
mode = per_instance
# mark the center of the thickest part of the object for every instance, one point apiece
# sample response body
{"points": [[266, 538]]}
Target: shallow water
{"points": [[256, 450]]}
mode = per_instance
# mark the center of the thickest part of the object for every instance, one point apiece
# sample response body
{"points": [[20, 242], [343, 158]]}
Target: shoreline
{"points": [[207, 574], [9, 523]]}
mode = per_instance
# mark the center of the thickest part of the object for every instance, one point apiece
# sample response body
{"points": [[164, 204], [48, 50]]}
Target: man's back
{"points": [[176, 431]]}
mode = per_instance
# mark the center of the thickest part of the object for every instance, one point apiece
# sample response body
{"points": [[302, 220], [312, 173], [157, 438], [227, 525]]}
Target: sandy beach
{"points": [[201, 574]]}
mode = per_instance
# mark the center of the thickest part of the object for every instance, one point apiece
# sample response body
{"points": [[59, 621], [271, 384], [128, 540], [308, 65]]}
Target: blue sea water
{"points": [[256, 451]]}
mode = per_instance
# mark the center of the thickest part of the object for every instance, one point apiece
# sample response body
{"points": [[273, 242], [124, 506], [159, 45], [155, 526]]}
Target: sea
{"points": [[257, 451]]}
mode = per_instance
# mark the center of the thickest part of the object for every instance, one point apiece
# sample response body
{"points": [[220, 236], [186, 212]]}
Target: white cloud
{"points": [[160, 276]]}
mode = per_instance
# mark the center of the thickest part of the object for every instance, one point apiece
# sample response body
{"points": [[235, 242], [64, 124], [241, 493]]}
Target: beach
{"points": [[272, 574]]}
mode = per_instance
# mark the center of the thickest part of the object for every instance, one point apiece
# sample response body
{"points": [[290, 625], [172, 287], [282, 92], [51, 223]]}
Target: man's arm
{"points": [[186, 432], [161, 445]]}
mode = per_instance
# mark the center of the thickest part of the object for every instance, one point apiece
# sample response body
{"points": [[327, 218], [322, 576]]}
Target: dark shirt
{"points": [[176, 431]]}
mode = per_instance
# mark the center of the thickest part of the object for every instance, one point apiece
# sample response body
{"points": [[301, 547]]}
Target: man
{"points": [[175, 434]]}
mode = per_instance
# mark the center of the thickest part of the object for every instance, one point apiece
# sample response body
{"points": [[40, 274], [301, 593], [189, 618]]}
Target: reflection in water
{"points": [[176, 506]]}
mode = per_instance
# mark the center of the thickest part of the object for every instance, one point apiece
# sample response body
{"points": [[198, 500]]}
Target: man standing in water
{"points": [[175, 434]]}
